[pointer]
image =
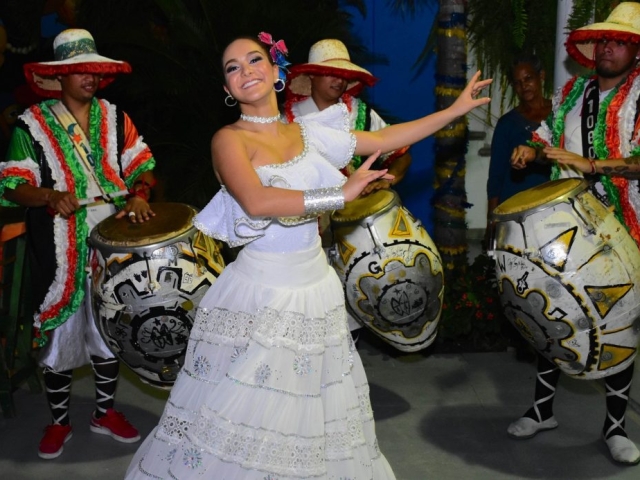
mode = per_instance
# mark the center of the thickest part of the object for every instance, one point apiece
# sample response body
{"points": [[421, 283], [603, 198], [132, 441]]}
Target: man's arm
{"points": [[64, 203], [628, 168]]}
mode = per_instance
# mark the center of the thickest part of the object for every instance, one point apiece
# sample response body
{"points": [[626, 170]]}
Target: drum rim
{"points": [[101, 243], [581, 186], [151, 247], [394, 201]]}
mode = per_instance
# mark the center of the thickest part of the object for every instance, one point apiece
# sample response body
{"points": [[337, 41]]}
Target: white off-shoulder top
{"points": [[325, 151]]}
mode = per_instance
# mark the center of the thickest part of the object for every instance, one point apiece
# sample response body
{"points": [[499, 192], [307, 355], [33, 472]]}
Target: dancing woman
{"points": [[272, 387]]}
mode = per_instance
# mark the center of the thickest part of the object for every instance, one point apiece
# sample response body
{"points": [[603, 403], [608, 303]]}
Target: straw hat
{"points": [[74, 52], [622, 24], [328, 57]]}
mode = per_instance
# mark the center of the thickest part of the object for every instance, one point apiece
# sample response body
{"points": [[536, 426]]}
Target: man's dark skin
{"points": [[78, 91], [615, 60]]}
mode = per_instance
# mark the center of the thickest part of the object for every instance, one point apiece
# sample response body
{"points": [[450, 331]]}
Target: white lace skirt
{"points": [[272, 387]]}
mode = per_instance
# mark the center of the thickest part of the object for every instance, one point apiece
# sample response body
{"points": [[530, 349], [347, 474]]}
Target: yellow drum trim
{"points": [[345, 250], [615, 355], [117, 259], [208, 249], [555, 253], [605, 298], [363, 298], [171, 220], [547, 194], [363, 207], [401, 226]]}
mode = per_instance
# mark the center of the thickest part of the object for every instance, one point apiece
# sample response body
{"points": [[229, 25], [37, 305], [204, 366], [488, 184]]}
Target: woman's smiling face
{"points": [[248, 71]]}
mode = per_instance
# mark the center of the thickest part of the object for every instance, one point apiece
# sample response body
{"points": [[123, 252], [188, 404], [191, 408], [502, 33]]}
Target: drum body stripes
{"points": [[390, 268], [569, 277], [147, 280]]}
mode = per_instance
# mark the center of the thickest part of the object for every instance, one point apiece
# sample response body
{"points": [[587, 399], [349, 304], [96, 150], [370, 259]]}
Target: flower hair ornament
{"points": [[278, 52]]}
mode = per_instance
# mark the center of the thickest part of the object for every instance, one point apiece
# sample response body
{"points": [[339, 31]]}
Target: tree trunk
{"points": [[450, 200]]}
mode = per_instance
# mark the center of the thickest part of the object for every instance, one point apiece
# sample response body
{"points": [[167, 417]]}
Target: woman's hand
{"points": [[363, 177], [468, 99], [522, 155], [565, 157], [137, 210]]}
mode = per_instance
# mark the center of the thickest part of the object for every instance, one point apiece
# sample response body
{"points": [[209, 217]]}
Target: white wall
{"points": [[477, 165]]}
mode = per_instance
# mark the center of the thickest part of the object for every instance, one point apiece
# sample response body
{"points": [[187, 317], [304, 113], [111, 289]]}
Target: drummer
{"points": [[330, 78], [74, 160], [593, 131]]}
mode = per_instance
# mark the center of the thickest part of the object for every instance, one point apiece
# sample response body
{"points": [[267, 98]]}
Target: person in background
{"points": [[515, 128], [593, 132], [330, 78], [73, 161]]}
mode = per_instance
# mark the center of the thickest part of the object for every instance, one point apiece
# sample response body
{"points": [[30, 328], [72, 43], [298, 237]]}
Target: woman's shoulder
{"points": [[228, 131]]}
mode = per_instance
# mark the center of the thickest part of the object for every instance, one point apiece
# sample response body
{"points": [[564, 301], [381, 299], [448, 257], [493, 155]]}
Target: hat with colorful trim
{"points": [[622, 24], [74, 52], [328, 57]]}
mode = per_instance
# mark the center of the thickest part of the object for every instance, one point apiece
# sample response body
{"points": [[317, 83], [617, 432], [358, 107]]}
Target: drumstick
{"points": [[86, 201]]}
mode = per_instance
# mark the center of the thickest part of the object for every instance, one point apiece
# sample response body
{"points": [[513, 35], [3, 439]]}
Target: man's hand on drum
{"points": [[382, 184], [362, 177], [565, 157], [137, 210], [63, 203], [522, 155]]}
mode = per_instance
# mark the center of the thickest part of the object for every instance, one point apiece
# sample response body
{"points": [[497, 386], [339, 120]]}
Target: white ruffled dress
{"points": [[272, 387]]}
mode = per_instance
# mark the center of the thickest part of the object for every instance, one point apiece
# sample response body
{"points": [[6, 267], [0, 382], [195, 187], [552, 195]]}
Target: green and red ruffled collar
{"points": [[67, 291]]}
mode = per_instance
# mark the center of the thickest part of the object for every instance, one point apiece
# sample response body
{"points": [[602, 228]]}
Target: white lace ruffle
{"points": [[330, 134], [224, 219], [269, 327]]}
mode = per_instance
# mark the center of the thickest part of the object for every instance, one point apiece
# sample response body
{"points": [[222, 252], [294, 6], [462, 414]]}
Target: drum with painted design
{"points": [[569, 277], [147, 280], [390, 268]]}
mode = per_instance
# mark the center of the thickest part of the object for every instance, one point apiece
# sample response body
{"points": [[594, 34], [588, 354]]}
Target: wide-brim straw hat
{"points": [[74, 52], [328, 57], [623, 24]]}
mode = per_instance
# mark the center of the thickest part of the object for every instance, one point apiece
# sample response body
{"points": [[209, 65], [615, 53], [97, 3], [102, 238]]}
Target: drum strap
{"points": [[589, 115], [80, 143]]}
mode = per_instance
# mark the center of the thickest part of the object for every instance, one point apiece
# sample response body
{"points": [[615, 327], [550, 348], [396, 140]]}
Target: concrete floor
{"points": [[438, 416]]}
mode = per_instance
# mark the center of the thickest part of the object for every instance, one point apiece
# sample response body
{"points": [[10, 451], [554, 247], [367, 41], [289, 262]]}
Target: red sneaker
{"points": [[115, 424], [52, 441]]}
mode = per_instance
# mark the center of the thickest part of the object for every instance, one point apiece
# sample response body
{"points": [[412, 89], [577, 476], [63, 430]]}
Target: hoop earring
{"points": [[279, 82], [229, 101]]}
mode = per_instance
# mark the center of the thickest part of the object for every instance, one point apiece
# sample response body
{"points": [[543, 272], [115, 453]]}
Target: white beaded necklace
{"points": [[252, 119]]}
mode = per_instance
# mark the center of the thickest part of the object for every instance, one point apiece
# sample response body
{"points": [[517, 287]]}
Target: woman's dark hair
{"points": [[528, 59], [252, 38]]}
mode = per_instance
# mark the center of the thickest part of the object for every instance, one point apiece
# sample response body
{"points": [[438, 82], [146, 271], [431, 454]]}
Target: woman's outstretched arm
{"points": [[408, 133]]}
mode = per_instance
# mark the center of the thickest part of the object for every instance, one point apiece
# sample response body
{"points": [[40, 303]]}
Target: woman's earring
{"points": [[278, 86], [229, 101]]}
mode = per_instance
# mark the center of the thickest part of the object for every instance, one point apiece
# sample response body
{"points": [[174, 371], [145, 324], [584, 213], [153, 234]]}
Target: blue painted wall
{"points": [[403, 91]]}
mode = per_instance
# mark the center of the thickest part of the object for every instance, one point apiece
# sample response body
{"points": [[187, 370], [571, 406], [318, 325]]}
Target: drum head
{"points": [[363, 207], [171, 221], [542, 196]]}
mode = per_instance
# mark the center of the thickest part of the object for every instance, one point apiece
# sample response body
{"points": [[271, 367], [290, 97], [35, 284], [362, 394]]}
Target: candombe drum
{"points": [[569, 277], [146, 281], [390, 268]]}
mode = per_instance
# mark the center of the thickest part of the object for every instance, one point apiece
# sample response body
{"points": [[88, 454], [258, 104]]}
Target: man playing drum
{"points": [[73, 162], [593, 131], [330, 78]]}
